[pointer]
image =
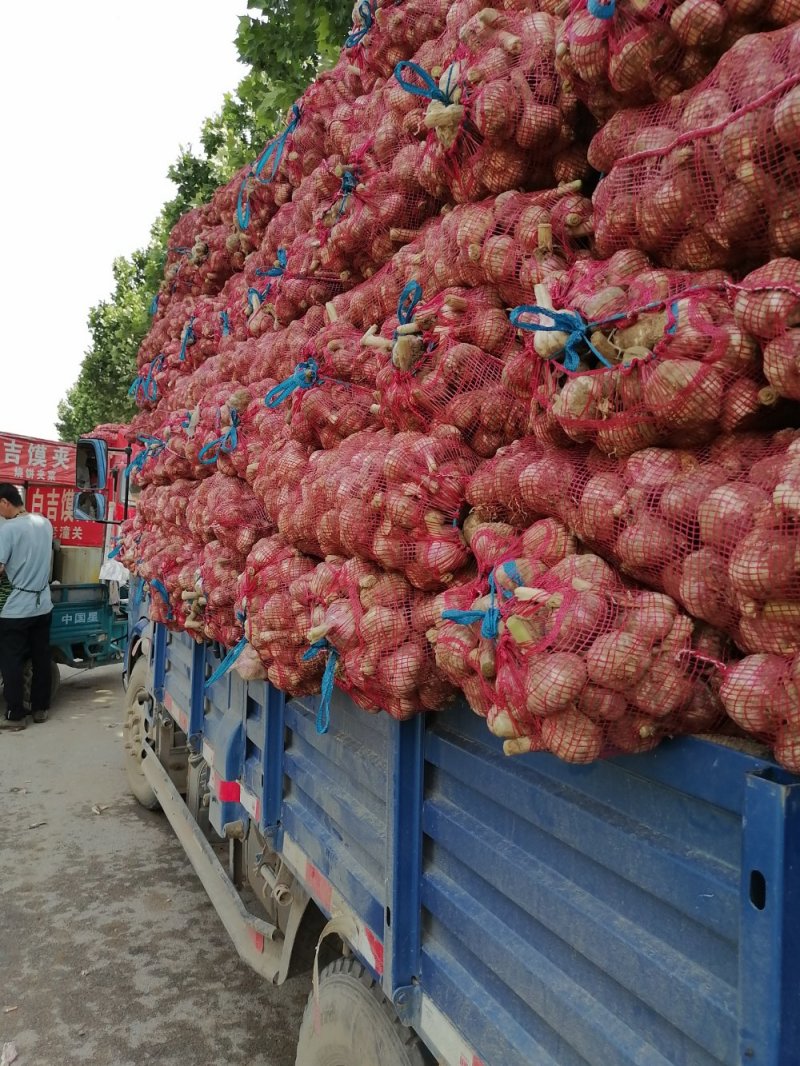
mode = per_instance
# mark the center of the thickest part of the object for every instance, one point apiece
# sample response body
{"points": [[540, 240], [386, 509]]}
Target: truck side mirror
{"points": [[91, 464], [89, 506]]}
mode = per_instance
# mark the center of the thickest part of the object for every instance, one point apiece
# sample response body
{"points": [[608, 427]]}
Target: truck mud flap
{"points": [[258, 943]]}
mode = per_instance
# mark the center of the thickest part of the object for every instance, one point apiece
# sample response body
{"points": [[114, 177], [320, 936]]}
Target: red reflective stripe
{"points": [[319, 885], [256, 937], [228, 791], [377, 953]]}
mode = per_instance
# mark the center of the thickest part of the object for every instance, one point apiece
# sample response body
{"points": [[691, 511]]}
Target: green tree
{"points": [[284, 44]]}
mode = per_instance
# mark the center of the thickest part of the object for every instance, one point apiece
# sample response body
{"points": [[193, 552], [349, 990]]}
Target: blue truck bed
{"points": [[522, 912]]}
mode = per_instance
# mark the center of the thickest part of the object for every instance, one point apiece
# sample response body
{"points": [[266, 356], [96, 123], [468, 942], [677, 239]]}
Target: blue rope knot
{"points": [[326, 691], [601, 9], [569, 322], [226, 664], [226, 323], [407, 304], [154, 304], [227, 443], [147, 384], [349, 186], [304, 376], [489, 619], [429, 88], [273, 151], [187, 338], [366, 13], [153, 446]]}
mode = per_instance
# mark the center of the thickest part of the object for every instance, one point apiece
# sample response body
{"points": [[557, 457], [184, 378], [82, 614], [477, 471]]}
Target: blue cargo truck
{"points": [[485, 911]]}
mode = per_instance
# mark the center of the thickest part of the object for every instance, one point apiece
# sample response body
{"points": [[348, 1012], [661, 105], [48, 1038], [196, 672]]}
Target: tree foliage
{"points": [[284, 43]]}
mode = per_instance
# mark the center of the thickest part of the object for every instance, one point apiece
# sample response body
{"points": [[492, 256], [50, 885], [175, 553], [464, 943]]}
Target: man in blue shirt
{"points": [[26, 544]]}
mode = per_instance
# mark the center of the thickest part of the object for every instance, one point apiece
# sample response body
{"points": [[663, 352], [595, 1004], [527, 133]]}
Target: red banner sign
{"points": [[55, 503], [24, 459]]}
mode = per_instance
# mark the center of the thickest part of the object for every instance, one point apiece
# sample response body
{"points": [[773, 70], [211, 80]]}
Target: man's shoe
{"points": [[40, 716], [14, 725]]}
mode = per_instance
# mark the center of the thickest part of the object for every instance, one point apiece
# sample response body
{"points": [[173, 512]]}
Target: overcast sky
{"points": [[96, 96]]}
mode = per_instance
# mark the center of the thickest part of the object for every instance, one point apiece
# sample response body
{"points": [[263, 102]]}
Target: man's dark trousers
{"points": [[22, 639]]}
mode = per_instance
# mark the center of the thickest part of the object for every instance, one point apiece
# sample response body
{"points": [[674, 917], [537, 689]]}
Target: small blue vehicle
{"points": [[486, 911]]}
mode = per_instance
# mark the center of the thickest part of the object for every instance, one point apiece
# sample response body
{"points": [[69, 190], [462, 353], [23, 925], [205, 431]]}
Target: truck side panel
{"points": [[592, 914]]}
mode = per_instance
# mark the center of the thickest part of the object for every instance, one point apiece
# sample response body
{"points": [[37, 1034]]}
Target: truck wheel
{"points": [[134, 731], [358, 1026]]}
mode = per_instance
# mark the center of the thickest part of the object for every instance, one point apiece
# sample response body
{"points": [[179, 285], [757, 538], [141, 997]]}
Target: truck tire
{"points": [[132, 735], [358, 1025]]}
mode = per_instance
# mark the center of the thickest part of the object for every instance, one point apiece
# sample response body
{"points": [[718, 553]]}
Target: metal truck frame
{"points": [[505, 912]]}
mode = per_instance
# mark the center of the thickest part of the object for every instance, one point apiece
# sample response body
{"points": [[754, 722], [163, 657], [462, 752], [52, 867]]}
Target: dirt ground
{"points": [[110, 953]]}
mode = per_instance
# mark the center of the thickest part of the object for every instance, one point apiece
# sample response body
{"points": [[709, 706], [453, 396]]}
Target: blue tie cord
{"points": [[273, 151], [154, 304], [147, 384], [153, 446], [304, 376], [226, 663], [407, 304], [489, 619], [429, 88], [162, 591], [187, 338], [572, 323], [324, 711], [601, 10], [225, 322], [227, 443], [355, 37]]}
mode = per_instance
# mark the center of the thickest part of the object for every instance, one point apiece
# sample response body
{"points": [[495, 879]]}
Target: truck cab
{"points": [[82, 490]]}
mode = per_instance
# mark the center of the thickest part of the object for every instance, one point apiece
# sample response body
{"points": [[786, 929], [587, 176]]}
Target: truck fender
{"points": [[136, 648]]}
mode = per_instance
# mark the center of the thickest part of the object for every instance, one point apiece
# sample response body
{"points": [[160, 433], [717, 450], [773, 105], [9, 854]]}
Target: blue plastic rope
{"points": [[226, 323], [162, 591], [324, 711], [569, 322], [304, 376], [276, 271], [153, 447], [367, 17], [407, 304], [187, 338], [489, 619], [349, 186], [256, 294], [154, 304], [429, 88], [512, 571], [147, 385], [180, 250], [601, 10], [274, 151], [227, 443], [226, 663]]}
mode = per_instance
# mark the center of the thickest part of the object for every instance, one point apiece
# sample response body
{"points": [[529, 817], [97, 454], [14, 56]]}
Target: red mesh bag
{"points": [[714, 527], [455, 362], [220, 568], [561, 655], [710, 178], [767, 305], [384, 33], [224, 508], [629, 355], [390, 499], [369, 627], [274, 598], [497, 112], [761, 695], [622, 54]]}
